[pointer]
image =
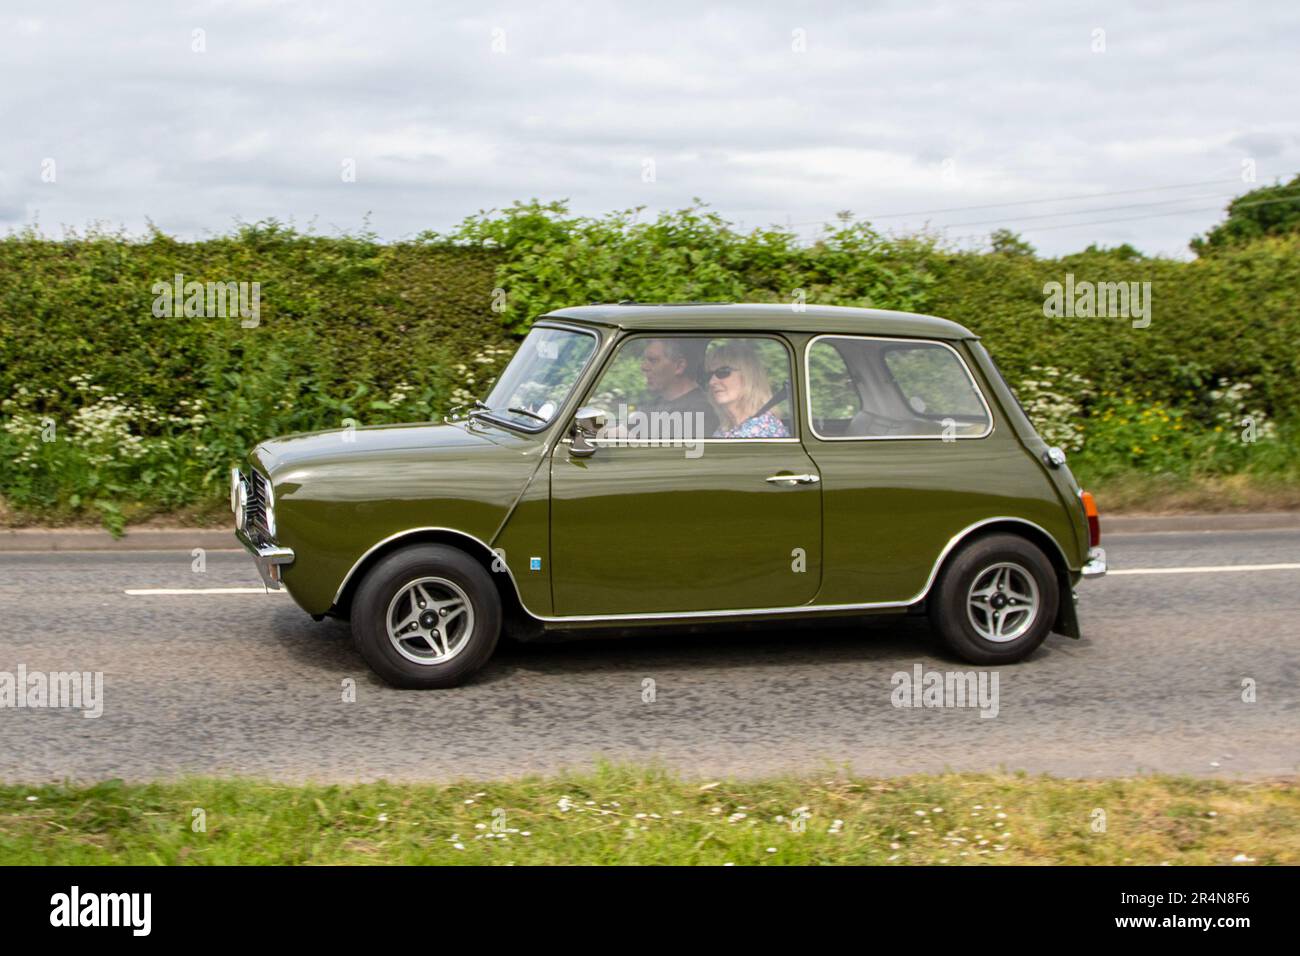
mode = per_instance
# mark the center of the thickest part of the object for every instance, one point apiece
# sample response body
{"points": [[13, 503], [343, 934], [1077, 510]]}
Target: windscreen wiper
{"points": [[524, 411]]}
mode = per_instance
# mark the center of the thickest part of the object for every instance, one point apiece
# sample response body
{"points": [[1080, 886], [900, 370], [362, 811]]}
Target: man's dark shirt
{"points": [[691, 404]]}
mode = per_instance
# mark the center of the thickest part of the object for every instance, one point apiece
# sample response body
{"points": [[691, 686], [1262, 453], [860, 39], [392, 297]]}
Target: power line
{"points": [[1158, 215], [1025, 202], [1176, 212], [1106, 222], [1084, 212], [1030, 202]]}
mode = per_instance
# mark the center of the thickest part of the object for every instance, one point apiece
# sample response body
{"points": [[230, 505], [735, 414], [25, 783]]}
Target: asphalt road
{"points": [[248, 684]]}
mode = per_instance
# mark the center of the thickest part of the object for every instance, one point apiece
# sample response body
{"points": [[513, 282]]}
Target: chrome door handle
{"points": [[794, 479]]}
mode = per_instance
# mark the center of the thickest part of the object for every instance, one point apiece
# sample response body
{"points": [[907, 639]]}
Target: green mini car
{"points": [[642, 464]]}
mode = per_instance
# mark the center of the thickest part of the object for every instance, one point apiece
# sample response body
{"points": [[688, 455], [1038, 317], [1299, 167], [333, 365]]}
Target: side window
{"points": [[880, 388], [835, 398], [674, 387], [933, 382]]}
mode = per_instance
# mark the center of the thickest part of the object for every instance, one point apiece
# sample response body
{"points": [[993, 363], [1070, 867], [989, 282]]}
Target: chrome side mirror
{"points": [[587, 424]]}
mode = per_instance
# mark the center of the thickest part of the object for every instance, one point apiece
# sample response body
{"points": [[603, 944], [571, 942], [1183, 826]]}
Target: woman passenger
{"points": [[738, 387]]}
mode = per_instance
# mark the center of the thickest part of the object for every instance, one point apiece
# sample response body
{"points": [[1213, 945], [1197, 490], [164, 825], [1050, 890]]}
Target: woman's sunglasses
{"points": [[721, 372]]}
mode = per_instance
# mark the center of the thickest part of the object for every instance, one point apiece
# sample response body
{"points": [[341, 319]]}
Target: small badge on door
{"points": [[534, 564]]}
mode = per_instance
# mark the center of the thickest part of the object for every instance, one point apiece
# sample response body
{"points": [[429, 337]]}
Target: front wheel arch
{"points": [[426, 616], [475, 548]]}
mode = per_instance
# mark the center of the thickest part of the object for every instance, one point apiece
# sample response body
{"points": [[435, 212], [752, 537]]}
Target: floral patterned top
{"points": [[766, 425]]}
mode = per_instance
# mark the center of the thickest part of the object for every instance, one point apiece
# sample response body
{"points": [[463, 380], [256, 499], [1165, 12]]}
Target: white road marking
{"points": [[1208, 569], [158, 592]]}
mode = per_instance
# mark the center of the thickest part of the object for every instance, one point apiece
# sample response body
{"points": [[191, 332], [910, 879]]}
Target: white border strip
{"points": [[1207, 569], [166, 592]]}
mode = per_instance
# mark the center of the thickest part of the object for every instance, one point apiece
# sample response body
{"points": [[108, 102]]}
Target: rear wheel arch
{"points": [[1066, 621], [997, 600], [1024, 529]]}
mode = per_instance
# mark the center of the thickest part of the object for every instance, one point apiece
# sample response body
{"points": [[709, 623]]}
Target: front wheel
{"points": [[995, 600], [426, 617]]}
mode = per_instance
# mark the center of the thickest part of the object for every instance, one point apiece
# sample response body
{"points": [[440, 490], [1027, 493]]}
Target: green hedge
{"points": [[349, 328], [1233, 316], [148, 412], [335, 314]]}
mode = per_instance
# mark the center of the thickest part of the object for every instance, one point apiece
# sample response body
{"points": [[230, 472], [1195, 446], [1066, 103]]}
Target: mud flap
{"points": [[1067, 615]]}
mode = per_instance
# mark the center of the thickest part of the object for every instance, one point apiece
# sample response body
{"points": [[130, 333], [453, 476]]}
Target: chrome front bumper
{"points": [[269, 558], [1096, 565]]}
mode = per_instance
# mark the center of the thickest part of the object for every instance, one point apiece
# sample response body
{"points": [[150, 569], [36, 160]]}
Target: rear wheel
{"points": [[995, 600], [425, 617]]}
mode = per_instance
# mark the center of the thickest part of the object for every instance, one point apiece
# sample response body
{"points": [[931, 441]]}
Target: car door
{"points": [[910, 455], [669, 516]]}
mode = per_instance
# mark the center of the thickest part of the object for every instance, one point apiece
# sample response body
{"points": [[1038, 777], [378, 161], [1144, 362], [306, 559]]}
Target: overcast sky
{"points": [[772, 113]]}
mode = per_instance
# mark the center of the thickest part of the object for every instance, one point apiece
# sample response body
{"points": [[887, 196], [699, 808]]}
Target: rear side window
{"points": [[892, 388]]}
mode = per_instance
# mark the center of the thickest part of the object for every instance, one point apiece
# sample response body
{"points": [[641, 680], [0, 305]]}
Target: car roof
{"points": [[765, 316]]}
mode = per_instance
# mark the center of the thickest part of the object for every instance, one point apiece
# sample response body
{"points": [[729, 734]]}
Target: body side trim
{"points": [[680, 442]]}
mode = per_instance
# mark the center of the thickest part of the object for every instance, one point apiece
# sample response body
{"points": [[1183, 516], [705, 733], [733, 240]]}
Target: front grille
{"points": [[255, 509]]}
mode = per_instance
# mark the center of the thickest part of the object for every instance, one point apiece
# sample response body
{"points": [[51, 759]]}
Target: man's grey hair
{"points": [[679, 350]]}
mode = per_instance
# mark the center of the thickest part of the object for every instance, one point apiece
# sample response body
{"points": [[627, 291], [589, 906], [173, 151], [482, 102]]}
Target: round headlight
{"points": [[241, 504], [235, 481]]}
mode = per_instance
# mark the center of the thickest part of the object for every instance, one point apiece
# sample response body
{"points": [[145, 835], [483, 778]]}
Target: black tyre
{"points": [[426, 616], [995, 600]]}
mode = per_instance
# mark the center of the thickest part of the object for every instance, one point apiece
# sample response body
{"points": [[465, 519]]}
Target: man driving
{"points": [[678, 407]]}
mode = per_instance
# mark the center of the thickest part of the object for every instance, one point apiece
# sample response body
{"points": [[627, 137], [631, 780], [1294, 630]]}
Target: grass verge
{"points": [[1136, 493], [647, 816]]}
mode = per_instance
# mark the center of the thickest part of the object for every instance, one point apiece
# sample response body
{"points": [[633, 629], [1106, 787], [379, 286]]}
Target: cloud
{"points": [[194, 116]]}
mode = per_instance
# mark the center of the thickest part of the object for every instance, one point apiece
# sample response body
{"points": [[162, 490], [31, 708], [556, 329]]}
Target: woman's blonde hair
{"points": [[742, 356]]}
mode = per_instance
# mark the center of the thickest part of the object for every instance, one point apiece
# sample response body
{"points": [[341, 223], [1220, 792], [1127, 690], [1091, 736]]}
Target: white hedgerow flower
{"points": [[1053, 403]]}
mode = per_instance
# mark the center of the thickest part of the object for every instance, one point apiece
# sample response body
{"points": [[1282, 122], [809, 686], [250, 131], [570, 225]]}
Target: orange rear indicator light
{"points": [[1094, 519]]}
